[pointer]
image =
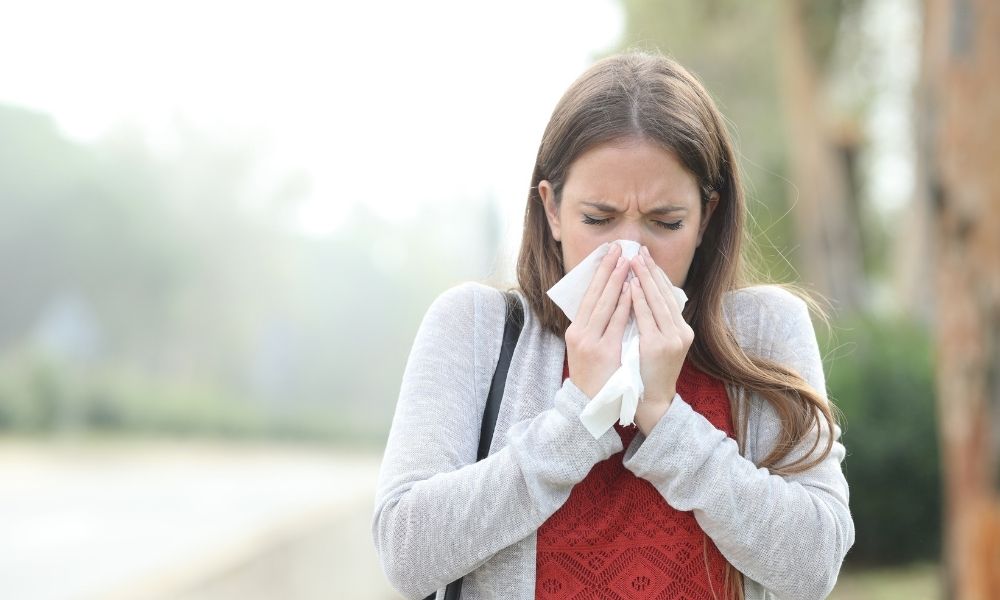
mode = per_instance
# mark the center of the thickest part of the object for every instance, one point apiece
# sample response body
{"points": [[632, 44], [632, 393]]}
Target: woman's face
{"points": [[630, 189]]}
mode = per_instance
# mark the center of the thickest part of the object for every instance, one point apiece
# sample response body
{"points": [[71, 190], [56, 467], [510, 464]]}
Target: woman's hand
{"points": [[594, 339], [664, 339]]}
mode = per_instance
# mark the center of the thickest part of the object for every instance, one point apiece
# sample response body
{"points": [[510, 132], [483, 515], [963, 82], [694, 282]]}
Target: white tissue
{"points": [[619, 397]]}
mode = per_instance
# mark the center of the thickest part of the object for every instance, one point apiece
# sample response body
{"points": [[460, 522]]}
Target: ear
{"points": [[551, 208], [713, 201]]}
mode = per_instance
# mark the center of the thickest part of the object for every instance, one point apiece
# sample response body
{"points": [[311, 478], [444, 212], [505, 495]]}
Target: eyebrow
{"points": [[659, 210]]}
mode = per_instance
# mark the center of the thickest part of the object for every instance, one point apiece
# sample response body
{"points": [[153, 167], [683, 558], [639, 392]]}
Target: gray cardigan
{"points": [[440, 515]]}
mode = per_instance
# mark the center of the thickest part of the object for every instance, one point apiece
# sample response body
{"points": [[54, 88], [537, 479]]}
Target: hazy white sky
{"points": [[392, 103]]}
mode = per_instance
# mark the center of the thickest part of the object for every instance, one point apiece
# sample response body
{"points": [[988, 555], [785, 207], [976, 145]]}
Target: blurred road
{"points": [[187, 521], [214, 521]]}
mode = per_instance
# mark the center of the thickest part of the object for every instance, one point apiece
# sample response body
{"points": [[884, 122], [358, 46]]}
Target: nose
{"points": [[632, 231]]}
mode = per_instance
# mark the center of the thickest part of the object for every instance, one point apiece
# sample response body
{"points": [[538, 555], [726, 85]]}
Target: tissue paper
{"points": [[620, 396]]}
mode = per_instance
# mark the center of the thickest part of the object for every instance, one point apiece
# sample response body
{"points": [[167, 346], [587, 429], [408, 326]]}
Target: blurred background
{"points": [[221, 223]]}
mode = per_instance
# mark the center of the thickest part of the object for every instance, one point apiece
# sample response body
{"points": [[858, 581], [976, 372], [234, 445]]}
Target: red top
{"points": [[617, 538]]}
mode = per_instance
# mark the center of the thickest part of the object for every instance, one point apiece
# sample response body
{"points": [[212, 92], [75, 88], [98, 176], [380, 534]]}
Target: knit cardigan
{"points": [[440, 515]]}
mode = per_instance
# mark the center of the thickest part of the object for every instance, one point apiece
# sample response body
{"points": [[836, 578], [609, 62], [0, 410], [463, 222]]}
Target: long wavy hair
{"points": [[652, 97]]}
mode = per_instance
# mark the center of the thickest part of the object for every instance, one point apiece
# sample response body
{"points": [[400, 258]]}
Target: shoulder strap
{"points": [[511, 332]]}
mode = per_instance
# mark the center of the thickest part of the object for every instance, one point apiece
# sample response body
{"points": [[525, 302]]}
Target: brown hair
{"points": [[653, 97]]}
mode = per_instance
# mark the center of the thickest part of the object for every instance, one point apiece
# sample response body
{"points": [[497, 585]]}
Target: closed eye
{"points": [[589, 220], [671, 226]]}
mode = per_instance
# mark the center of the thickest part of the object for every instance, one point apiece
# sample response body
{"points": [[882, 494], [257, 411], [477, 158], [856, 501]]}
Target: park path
{"points": [[186, 520]]}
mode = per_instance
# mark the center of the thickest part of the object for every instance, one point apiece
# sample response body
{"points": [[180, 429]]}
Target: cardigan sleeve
{"points": [[439, 514], [788, 533]]}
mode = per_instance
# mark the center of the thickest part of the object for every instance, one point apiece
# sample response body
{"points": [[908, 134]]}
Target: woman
{"points": [[728, 486]]}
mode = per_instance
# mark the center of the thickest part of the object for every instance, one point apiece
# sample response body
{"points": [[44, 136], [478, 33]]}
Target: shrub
{"points": [[880, 374]]}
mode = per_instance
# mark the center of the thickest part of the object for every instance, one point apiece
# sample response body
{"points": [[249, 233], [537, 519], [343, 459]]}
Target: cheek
{"points": [[675, 258], [579, 240]]}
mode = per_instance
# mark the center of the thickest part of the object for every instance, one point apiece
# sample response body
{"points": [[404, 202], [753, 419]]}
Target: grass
{"points": [[920, 581]]}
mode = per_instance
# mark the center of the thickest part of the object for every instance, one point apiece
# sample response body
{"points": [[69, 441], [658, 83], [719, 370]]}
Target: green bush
{"points": [[880, 374], [39, 395]]}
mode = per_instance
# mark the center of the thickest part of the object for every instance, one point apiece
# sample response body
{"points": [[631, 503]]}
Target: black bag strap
{"points": [[511, 332]]}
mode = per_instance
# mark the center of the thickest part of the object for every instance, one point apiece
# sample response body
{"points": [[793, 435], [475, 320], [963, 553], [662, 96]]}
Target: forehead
{"points": [[629, 172]]}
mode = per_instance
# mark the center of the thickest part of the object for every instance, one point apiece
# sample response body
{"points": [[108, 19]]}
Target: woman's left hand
{"points": [[664, 339]]}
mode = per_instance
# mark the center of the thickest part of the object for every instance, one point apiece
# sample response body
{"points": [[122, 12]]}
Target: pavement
{"points": [[187, 521]]}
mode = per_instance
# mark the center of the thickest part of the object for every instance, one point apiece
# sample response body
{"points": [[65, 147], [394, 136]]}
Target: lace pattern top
{"points": [[617, 538]]}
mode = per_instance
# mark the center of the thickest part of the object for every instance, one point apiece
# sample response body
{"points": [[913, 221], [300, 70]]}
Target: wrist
{"points": [[650, 411]]}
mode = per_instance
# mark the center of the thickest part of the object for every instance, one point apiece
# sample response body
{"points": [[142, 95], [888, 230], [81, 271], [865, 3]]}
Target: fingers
{"points": [[643, 314], [665, 287], [662, 281], [609, 299], [616, 327], [655, 300], [598, 283], [648, 326]]}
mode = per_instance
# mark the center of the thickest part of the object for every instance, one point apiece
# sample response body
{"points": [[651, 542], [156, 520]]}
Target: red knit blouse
{"points": [[617, 538]]}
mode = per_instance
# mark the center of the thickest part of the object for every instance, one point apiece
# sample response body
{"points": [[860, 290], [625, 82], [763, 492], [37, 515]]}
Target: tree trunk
{"points": [[961, 142], [827, 231]]}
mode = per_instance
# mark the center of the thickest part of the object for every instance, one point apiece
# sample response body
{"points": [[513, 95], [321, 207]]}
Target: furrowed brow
{"points": [[601, 206], [668, 209]]}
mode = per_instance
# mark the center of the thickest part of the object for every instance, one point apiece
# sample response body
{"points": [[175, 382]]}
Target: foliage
{"points": [[39, 395], [881, 377], [920, 581], [156, 291]]}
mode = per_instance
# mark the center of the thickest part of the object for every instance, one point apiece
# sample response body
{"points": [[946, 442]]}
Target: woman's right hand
{"points": [[594, 338]]}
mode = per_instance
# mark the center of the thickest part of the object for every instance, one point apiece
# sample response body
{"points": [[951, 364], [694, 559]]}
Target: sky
{"points": [[393, 104]]}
